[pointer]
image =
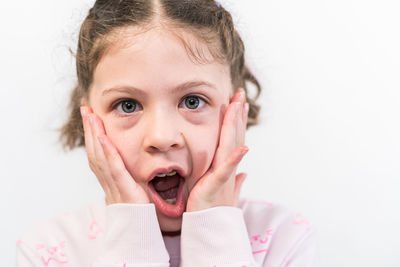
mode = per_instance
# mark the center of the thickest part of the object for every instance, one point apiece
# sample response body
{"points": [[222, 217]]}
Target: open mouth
{"points": [[166, 185], [167, 193]]}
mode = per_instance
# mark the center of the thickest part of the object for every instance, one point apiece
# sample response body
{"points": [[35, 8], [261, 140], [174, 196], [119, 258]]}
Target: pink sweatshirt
{"points": [[255, 233]]}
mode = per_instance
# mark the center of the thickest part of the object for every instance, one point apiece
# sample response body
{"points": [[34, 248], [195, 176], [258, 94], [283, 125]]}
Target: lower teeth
{"points": [[171, 200]]}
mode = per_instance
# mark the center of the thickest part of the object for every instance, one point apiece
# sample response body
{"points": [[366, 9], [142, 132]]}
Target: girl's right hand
{"points": [[106, 163]]}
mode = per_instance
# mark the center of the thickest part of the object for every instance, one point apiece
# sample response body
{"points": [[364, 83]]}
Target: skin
{"points": [[206, 140]]}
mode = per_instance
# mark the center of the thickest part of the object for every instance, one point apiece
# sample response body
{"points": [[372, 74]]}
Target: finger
{"points": [[244, 124], [120, 174], [103, 168], [241, 119], [229, 128], [88, 126], [227, 138], [246, 113], [227, 169], [89, 143], [90, 150], [85, 111], [240, 126], [237, 121], [240, 97], [236, 96], [87, 131], [238, 186]]}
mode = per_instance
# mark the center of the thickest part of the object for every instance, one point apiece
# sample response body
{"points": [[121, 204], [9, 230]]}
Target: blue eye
{"points": [[127, 106], [193, 102]]}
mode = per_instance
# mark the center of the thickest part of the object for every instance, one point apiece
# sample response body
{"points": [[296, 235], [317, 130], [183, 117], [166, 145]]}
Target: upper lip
{"points": [[178, 169]]}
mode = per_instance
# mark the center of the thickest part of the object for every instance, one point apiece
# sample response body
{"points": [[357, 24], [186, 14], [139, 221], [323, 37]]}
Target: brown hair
{"points": [[206, 19]]}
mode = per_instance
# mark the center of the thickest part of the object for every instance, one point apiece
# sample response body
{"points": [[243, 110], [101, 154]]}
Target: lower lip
{"points": [[171, 210]]}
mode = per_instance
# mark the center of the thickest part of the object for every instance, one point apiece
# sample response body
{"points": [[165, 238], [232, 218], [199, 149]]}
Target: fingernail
{"points": [[246, 108], [83, 111], [244, 150], [241, 95]]}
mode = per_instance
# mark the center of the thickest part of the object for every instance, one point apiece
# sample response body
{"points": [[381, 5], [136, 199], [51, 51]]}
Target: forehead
{"points": [[157, 58]]}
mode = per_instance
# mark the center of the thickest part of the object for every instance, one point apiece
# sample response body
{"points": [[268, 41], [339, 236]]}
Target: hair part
{"points": [[104, 26]]}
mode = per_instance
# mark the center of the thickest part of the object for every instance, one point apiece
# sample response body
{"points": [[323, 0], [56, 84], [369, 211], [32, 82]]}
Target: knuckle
{"points": [[113, 157], [92, 164], [116, 171], [114, 160], [100, 168]]}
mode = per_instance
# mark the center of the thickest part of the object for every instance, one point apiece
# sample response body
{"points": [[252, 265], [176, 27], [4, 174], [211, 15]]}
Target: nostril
{"points": [[162, 141], [162, 145]]}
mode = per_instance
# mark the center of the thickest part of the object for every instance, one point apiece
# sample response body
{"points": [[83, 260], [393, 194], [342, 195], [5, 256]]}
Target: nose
{"points": [[162, 132]]}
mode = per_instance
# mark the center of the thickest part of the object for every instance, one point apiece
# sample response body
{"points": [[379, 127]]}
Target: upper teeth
{"points": [[166, 174]]}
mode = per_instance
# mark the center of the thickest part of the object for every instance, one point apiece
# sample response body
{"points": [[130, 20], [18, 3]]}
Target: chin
{"points": [[168, 225]]}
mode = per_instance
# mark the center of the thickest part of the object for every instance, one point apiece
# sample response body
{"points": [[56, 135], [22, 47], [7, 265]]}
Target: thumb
{"points": [[238, 185]]}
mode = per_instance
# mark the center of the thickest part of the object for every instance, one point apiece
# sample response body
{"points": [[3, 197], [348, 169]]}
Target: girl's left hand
{"points": [[220, 186]]}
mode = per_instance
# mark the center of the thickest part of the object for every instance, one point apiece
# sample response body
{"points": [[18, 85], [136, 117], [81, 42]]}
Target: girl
{"points": [[162, 110]]}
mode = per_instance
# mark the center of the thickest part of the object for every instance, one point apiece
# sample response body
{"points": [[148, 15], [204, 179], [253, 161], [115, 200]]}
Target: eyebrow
{"points": [[180, 87]]}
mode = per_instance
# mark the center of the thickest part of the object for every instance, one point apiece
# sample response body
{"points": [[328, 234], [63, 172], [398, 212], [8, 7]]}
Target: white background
{"points": [[328, 144]]}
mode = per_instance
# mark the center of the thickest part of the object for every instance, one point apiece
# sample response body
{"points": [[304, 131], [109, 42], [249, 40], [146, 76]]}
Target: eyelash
{"points": [[116, 104]]}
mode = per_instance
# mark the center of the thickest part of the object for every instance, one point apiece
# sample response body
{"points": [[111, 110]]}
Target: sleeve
{"points": [[132, 237], [215, 237], [304, 253], [26, 256]]}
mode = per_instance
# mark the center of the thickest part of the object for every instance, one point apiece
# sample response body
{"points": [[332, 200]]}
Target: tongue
{"points": [[165, 183], [169, 194]]}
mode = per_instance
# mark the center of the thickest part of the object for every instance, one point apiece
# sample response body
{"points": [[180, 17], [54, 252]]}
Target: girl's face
{"points": [[159, 108]]}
